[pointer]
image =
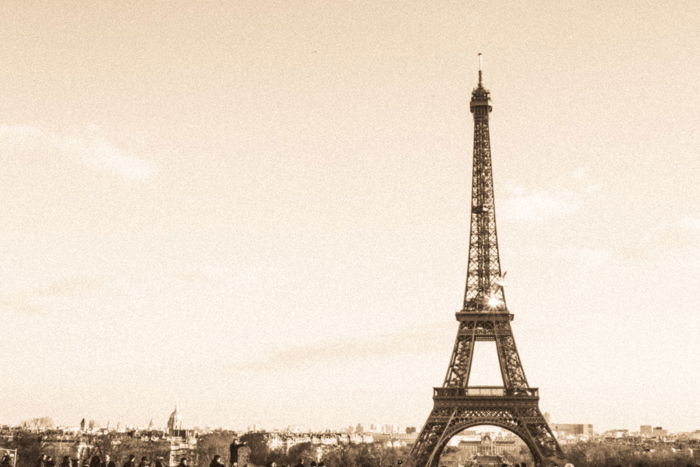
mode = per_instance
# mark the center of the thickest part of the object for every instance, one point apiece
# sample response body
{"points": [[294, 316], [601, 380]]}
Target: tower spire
{"points": [[480, 63]]}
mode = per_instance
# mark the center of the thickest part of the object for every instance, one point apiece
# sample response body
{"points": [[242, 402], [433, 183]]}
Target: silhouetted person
{"points": [[131, 462], [144, 462], [5, 462], [216, 461], [95, 461], [183, 462], [50, 462], [159, 462], [108, 462], [300, 464]]}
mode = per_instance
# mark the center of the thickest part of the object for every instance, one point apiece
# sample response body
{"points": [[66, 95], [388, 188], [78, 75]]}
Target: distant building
{"points": [[645, 430], [174, 423], [395, 439], [575, 430], [183, 443], [616, 433], [658, 432], [486, 450], [275, 441], [182, 447]]}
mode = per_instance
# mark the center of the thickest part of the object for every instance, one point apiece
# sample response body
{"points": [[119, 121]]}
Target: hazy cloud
{"points": [[19, 133], [197, 277], [589, 256], [68, 287], [19, 306], [537, 206], [583, 181], [88, 146], [23, 301], [682, 234], [414, 340]]}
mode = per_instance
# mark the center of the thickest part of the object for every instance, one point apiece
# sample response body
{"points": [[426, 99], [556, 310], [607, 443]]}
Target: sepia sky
{"points": [[259, 210]]}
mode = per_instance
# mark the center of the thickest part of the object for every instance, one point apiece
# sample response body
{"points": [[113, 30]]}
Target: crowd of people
{"points": [[97, 461], [106, 461], [312, 464], [300, 464]]}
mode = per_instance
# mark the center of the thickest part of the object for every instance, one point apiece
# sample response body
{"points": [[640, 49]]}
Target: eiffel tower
{"points": [[485, 317]]}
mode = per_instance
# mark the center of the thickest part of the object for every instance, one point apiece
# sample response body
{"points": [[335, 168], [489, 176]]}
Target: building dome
{"points": [[174, 421]]}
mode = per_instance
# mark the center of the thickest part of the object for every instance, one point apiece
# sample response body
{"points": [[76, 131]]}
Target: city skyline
{"points": [[156, 424], [259, 211]]}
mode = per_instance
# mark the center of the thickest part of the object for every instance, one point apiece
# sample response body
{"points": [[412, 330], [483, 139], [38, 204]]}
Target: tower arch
{"points": [[460, 427]]}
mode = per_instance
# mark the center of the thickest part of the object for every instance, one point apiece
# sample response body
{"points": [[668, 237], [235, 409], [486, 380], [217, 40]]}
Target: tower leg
{"points": [[524, 420]]}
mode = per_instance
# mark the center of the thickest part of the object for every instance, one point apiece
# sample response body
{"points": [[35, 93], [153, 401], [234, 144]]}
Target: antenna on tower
{"points": [[480, 62]]}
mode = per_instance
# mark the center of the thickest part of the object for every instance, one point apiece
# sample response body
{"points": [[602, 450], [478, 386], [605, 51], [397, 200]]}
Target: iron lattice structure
{"points": [[485, 317]]}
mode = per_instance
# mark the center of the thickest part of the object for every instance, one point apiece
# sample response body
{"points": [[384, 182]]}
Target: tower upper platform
{"points": [[480, 96]]}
